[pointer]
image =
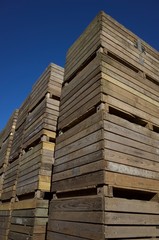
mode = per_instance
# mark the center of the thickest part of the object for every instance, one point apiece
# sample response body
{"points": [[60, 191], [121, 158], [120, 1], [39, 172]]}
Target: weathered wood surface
{"points": [[28, 219], [19, 131], [5, 216], [2, 137], [81, 217], [79, 152], [106, 142], [81, 95], [10, 181], [38, 114], [49, 82], [35, 169], [6, 141], [10, 126], [5, 151], [23, 112], [113, 82], [127, 218], [1, 183], [41, 121], [106, 32], [16, 148]]}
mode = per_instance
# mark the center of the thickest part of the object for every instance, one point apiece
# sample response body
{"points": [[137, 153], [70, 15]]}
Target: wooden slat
{"points": [[5, 216], [42, 120], [35, 168], [116, 39], [10, 178], [49, 82], [127, 232], [29, 218], [77, 229]]}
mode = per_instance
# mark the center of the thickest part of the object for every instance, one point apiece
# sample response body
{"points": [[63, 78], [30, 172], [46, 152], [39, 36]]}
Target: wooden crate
{"points": [[28, 220], [49, 82], [5, 216], [7, 141], [19, 131], [105, 32], [111, 82], [106, 148], [118, 214], [10, 181], [41, 122], [35, 169]]}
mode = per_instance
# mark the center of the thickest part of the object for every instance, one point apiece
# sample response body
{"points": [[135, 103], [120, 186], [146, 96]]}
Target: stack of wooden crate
{"points": [[16, 149], [40, 132], [106, 172], [30, 208], [11, 172], [6, 140]]}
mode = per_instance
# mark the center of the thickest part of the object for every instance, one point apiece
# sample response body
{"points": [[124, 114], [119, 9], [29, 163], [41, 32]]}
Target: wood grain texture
{"points": [[49, 82], [35, 169], [115, 38], [28, 219]]}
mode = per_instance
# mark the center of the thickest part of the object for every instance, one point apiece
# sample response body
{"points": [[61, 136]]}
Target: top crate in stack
{"points": [[44, 106], [109, 49], [109, 111], [117, 41]]}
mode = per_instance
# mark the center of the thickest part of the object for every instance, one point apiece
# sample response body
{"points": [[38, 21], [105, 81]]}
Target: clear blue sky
{"points": [[34, 33]]}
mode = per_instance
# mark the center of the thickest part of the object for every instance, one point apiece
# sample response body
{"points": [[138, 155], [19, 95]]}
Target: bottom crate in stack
{"points": [[29, 219], [5, 216], [108, 214]]}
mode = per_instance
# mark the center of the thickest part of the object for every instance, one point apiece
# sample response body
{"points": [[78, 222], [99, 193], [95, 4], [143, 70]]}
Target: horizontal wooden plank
{"points": [[86, 180], [60, 236], [19, 236], [21, 229], [131, 219], [131, 232], [30, 204], [86, 203], [132, 182], [86, 217], [81, 170], [77, 229]]}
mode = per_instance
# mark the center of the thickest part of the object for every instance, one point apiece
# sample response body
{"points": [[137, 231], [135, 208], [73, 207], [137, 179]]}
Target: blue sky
{"points": [[34, 33]]}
